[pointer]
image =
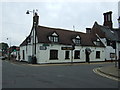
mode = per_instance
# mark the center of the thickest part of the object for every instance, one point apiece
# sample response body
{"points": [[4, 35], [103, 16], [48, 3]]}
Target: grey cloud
{"points": [[53, 14]]}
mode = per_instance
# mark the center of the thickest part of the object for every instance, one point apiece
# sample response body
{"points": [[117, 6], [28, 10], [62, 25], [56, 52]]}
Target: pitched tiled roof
{"points": [[117, 33], [25, 41], [106, 32], [96, 29], [65, 36]]}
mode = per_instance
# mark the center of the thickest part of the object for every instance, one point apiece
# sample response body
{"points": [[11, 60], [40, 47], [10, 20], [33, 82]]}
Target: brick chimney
{"points": [[35, 19], [108, 19], [88, 30]]}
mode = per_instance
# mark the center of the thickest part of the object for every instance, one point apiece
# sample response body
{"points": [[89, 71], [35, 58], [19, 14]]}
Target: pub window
{"points": [[53, 38], [67, 55], [77, 54], [97, 54], [53, 54], [77, 41], [98, 43]]}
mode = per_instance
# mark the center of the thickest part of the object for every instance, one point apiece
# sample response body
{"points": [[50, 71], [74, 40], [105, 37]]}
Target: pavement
{"points": [[111, 72]]}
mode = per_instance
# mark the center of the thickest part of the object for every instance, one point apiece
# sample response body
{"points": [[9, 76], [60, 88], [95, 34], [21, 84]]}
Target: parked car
{"points": [[2, 57]]}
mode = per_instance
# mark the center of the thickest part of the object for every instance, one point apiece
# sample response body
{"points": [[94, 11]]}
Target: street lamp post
{"points": [[35, 24]]}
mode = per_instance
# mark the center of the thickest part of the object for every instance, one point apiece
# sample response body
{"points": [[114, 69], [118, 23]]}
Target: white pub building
{"points": [[54, 45]]}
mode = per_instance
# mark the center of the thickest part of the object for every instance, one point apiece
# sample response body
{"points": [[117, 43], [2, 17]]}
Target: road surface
{"points": [[62, 76]]}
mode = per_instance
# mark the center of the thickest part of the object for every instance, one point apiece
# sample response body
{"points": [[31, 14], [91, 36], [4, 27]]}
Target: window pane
{"points": [[97, 54], [53, 54], [77, 41], [55, 39], [51, 39], [98, 43]]}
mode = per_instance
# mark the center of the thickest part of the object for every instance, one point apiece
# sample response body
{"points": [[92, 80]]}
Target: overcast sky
{"points": [[15, 24]]}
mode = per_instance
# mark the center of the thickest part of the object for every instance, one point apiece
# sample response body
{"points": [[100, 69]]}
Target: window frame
{"points": [[53, 55], [98, 43], [77, 56], [67, 54], [98, 55], [54, 39], [77, 40]]}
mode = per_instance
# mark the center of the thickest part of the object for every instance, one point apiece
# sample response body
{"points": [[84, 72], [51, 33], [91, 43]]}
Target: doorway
{"points": [[23, 54], [87, 56]]}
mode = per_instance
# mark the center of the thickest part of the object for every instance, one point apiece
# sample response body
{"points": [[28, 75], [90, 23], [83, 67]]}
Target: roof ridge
{"points": [[62, 29]]}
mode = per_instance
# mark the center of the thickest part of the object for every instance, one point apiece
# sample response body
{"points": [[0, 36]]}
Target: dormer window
{"points": [[54, 37], [97, 42], [77, 40]]}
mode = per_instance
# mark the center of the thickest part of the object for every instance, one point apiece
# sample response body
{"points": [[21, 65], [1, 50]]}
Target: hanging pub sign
{"points": [[88, 50], [66, 48], [43, 47]]}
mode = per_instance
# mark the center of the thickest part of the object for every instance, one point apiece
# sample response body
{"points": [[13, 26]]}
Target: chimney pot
{"points": [[108, 19], [88, 30], [35, 19]]}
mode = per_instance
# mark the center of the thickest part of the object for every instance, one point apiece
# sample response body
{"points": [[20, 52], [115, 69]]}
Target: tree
{"points": [[4, 47]]}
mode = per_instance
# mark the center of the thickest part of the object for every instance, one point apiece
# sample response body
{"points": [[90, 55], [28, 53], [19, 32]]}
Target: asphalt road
{"points": [[64, 76]]}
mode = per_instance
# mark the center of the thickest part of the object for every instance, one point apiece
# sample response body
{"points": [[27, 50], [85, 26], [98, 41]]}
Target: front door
{"points": [[87, 56]]}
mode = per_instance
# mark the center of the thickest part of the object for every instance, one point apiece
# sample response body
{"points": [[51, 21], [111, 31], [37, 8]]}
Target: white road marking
{"points": [[104, 75]]}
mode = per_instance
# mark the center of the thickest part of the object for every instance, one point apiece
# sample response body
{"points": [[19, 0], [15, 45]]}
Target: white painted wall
{"points": [[108, 50], [93, 54], [43, 55]]}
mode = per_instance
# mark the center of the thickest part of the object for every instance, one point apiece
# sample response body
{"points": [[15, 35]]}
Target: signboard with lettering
{"points": [[45, 44], [66, 48], [112, 55], [43, 47]]}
